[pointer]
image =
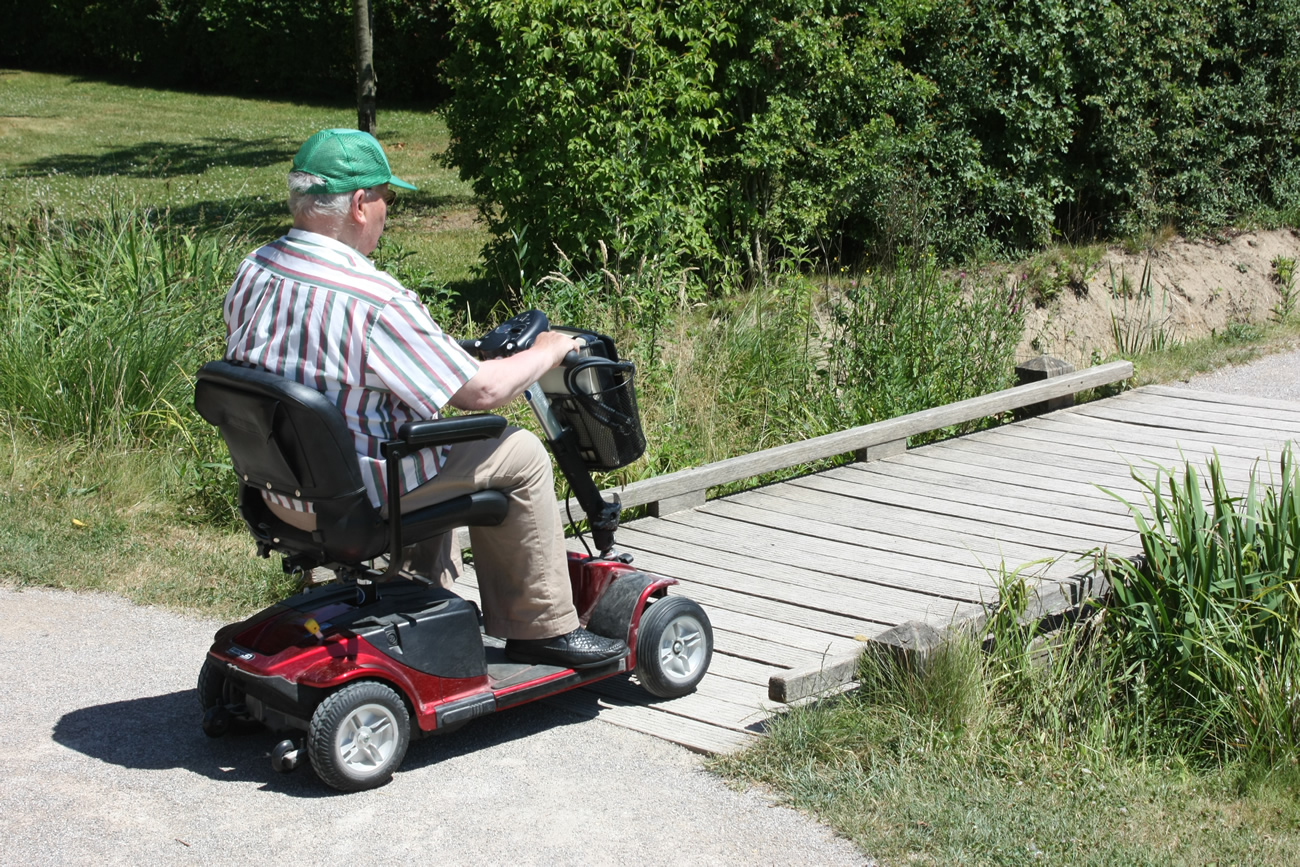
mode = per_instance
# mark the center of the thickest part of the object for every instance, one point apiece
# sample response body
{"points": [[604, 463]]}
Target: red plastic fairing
{"points": [[657, 588], [340, 660], [591, 577]]}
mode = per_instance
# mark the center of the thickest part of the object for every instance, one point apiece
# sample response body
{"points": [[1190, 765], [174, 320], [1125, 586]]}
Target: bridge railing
{"points": [[688, 488]]}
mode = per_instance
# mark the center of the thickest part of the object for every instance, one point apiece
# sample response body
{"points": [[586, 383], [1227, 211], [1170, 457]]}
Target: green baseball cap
{"points": [[348, 159]]}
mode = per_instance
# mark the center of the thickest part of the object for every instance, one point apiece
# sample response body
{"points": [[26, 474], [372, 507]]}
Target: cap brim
{"points": [[398, 182]]}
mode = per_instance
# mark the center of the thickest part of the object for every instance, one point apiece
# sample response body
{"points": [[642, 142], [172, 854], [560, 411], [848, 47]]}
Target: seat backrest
{"points": [[290, 439]]}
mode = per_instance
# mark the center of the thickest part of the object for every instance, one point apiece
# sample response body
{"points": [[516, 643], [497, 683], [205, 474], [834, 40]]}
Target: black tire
{"points": [[674, 646], [216, 690], [212, 685], [358, 736]]}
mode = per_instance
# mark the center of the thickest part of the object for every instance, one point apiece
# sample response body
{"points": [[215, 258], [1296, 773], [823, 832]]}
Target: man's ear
{"points": [[354, 206]]}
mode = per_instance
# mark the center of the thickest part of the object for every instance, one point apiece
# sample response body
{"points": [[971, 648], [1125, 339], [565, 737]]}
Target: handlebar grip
{"points": [[570, 359]]}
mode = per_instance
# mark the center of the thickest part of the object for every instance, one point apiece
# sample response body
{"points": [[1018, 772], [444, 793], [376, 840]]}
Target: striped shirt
{"points": [[314, 310]]}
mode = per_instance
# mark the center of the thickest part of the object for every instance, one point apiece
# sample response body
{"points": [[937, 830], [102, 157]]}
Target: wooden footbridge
{"points": [[797, 576]]}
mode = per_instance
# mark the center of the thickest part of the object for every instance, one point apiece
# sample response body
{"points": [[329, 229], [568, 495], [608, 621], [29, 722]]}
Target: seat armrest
{"points": [[445, 431]]}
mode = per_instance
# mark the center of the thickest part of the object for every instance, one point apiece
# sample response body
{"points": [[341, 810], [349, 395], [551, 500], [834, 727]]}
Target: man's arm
{"points": [[500, 380]]}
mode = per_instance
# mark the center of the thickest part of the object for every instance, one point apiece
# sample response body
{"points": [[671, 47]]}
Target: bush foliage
{"points": [[726, 134]]}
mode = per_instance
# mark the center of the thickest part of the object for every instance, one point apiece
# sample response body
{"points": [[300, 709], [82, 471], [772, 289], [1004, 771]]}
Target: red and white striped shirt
{"points": [[314, 310]]}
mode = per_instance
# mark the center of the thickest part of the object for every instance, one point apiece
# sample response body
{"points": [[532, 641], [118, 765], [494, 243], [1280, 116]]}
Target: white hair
{"points": [[314, 205]]}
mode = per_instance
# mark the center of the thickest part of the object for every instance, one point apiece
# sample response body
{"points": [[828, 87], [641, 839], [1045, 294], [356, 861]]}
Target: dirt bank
{"points": [[1183, 289]]}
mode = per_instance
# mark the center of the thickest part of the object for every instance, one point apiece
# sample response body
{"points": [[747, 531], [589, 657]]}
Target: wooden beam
{"points": [[687, 486]]}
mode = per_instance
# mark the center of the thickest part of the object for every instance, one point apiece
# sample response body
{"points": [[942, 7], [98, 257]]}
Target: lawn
{"points": [[69, 143]]}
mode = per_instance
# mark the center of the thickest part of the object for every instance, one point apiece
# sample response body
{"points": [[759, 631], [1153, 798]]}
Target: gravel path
{"points": [[1273, 376], [104, 762]]}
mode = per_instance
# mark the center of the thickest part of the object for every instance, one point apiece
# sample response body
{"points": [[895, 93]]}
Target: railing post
{"points": [[1036, 370], [668, 505], [881, 450]]}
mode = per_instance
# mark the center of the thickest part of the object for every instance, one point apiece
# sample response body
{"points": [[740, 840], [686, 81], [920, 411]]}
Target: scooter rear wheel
{"points": [[358, 736], [674, 646]]}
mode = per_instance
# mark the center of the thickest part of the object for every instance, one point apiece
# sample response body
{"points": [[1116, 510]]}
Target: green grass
{"points": [[124, 522], [70, 143], [948, 766]]}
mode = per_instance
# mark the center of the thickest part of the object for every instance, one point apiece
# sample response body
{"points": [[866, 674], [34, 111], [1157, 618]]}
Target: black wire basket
{"points": [[600, 406]]}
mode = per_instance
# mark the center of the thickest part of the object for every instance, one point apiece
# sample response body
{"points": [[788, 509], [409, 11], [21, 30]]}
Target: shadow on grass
{"points": [[163, 732], [160, 160]]}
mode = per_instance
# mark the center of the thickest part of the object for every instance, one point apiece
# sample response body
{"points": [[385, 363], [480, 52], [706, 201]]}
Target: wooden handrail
{"points": [[686, 488]]}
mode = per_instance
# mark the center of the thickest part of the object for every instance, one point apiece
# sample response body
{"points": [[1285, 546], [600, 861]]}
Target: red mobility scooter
{"points": [[353, 669]]}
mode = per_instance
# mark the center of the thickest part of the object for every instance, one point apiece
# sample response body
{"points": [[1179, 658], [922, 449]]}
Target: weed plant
{"points": [[915, 338], [1284, 275], [1206, 623]]}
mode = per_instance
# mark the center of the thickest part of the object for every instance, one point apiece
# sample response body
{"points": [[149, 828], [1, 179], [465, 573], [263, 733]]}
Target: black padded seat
{"points": [[289, 439]]}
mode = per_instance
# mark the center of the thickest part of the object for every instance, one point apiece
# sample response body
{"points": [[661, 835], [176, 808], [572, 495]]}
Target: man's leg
{"points": [[522, 563]]}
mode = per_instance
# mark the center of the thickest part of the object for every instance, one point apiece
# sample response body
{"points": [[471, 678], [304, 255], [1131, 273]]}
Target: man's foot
{"points": [[576, 649]]}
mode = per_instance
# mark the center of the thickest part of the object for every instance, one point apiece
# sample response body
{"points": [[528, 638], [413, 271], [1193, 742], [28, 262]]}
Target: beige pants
{"points": [[522, 563]]}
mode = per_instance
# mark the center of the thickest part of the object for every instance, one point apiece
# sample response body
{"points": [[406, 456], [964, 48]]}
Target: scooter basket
{"points": [[600, 406]]}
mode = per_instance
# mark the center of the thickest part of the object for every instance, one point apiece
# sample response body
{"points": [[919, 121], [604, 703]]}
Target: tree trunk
{"points": [[362, 22]]}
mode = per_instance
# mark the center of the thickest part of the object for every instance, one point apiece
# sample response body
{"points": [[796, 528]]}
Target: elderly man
{"points": [[311, 307]]}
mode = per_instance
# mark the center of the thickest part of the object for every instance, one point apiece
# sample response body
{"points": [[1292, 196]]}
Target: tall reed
{"points": [[105, 317], [1206, 623]]}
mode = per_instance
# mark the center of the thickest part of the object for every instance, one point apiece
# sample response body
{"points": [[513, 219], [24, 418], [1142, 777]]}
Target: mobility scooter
{"points": [[352, 669]]}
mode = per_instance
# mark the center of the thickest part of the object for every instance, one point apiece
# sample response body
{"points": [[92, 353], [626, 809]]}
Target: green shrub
{"points": [[586, 122], [725, 137]]}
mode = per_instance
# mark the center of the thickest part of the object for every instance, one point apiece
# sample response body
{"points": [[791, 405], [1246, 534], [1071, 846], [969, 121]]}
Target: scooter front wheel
{"points": [[674, 646], [358, 736]]}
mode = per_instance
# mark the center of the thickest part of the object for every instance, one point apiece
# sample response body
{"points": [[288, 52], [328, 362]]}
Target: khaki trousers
{"points": [[522, 563]]}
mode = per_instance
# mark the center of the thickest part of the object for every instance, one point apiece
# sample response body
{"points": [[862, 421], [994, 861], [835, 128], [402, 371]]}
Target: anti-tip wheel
{"points": [[674, 646], [358, 736]]}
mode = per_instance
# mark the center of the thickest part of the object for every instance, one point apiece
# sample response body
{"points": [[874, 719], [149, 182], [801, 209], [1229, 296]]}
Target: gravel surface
{"points": [[105, 763], [1273, 376]]}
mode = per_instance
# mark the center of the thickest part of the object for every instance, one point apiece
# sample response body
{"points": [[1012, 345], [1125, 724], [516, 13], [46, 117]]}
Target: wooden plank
{"points": [[735, 469], [1242, 400], [1058, 506], [1001, 455], [1085, 454], [941, 468], [699, 705], [1140, 439], [692, 734], [1236, 456], [993, 508], [764, 652], [944, 549], [743, 670], [1030, 546], [870, 567], [831, 621], [702, 564], [1242, 428], [852, 517], [1140, 400]]}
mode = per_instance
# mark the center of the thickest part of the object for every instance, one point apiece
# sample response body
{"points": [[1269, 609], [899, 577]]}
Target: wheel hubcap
{"points": [[367, 738], [681, 648]]}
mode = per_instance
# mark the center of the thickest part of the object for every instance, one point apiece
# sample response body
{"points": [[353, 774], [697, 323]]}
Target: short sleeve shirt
{"points": [[314, 310]]}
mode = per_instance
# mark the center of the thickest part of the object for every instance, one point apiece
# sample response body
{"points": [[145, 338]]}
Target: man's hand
{"points": [[556, 343], [501, 380]]}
